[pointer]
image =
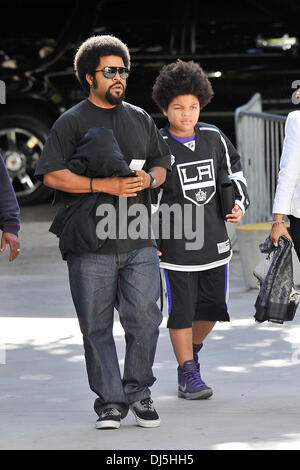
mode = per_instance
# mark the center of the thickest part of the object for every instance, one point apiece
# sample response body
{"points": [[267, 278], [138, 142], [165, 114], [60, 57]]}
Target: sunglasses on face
{"points": [[111, 72]]}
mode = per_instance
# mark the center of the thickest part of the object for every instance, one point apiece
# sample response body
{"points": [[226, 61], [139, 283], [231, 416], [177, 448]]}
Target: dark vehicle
{"points": [[244, 48]]}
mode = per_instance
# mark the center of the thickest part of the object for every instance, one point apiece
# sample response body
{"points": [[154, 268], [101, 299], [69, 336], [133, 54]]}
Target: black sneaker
{"points": [[145, 413], [110, 418]]}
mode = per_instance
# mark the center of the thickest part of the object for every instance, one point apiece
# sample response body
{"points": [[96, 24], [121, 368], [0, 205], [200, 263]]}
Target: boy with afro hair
{"points": [[195, 277]]}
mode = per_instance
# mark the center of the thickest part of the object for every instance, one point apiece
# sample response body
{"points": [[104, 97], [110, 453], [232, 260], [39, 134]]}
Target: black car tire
{"points": [[19, 132]]}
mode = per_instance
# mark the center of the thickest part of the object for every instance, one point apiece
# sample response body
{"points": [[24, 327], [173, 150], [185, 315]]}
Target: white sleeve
{"points": [[289, 165]]}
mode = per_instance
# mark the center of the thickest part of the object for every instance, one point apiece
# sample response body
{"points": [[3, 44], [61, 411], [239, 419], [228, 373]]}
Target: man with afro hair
{"points": [[195, 276], [121, 270]]}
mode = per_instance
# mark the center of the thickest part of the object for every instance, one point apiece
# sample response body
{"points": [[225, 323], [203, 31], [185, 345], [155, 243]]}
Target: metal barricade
{"points": [[259, 140]]}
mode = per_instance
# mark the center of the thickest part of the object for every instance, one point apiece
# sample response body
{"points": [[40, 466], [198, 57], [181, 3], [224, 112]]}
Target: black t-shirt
{"points": [[138, 139]]}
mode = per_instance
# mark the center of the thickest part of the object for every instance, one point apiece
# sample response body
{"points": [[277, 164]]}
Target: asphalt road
{"points": [[45, 401]]}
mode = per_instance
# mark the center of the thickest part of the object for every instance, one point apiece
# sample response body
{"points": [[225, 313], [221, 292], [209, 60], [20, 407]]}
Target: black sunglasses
{"points": [[110, 72]]}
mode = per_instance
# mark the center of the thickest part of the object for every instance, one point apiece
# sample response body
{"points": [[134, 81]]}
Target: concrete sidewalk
{"points": [[45, 401]]}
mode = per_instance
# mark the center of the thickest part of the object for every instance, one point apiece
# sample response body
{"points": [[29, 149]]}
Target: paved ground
{"points": [[45, 401]]}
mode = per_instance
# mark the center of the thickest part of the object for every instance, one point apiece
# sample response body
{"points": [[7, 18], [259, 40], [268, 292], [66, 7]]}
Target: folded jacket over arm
{"points": [[97, 155]]}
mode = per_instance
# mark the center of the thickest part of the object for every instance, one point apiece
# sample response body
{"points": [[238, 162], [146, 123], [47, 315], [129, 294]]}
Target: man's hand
{"points": [[146, 179], [236, 215], [12, 240], [127, 186], [119, 186]]}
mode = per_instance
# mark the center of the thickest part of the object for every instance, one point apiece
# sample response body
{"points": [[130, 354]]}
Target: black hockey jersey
{"points": [[197, 238]]}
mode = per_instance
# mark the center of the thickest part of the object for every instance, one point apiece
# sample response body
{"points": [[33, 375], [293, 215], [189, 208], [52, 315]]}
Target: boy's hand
{"points": [[236, 215], [159, 254]]}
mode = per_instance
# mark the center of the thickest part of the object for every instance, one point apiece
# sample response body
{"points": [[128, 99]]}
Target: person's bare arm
{"points": [[279, 230], [159, 174], [69, 182]]}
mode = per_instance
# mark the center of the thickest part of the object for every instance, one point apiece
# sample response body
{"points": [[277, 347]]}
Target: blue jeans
{"points": [[130, 282]]}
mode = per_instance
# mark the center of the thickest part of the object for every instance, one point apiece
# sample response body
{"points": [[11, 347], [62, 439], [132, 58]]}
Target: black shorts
{"points": [[192, 296]]}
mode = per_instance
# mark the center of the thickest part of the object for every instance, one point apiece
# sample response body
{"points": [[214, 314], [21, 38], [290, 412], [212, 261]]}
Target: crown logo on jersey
{"points": [[200, 195]]}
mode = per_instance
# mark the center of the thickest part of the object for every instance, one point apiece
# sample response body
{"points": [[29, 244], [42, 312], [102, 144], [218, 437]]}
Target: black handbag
{"points": [[226, 194]]}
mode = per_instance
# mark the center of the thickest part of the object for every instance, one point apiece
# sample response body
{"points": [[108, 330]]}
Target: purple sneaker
{"points": [[190, 384]]}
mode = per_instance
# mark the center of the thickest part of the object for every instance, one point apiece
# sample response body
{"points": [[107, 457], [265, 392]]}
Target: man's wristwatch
{"points": [[153, 181]]}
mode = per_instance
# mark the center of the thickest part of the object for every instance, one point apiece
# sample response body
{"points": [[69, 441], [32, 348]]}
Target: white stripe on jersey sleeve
{"points": [[235, 177], [227, 156], [239, 175], [224, 143]]}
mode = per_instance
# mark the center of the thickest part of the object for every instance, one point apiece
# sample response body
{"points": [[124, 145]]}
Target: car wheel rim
{"points": [[21, 150]]}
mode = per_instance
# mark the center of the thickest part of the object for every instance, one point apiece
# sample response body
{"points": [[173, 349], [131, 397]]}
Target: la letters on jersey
{"points": [[197, 181]]}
